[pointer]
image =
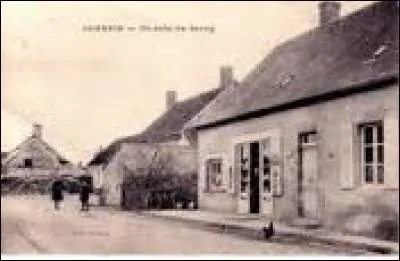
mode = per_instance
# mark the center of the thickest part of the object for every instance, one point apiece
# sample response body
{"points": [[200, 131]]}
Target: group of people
{"points": [[57, 194]]}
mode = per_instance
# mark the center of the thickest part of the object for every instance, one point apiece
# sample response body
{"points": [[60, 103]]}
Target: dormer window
{"points": [[375, 55], [380, 50], [284, 80]]}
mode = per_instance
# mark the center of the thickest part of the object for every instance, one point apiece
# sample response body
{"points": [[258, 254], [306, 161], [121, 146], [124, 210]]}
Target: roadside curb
{"points": [[381, 247]]}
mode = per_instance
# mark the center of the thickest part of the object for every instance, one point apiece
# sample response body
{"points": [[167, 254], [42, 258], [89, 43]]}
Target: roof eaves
{"points": [[365, 86]]}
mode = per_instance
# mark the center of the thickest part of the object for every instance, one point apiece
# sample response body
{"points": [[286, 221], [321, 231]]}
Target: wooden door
{"points": [[309, 180], [254, 178]]}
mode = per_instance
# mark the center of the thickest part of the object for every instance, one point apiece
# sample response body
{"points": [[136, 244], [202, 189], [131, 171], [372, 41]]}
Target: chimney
{"points": [[37, 131], [170, 99], [226, 76], [329, 11]]}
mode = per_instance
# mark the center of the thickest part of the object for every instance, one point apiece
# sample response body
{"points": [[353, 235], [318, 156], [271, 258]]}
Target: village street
{"points": [[30, 225]]}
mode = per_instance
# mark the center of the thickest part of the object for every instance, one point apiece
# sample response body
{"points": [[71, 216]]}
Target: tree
{"points": [[155, 181]]}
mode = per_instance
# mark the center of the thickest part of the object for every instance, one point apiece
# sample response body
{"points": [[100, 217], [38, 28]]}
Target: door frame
{"points": [[300, 177]]}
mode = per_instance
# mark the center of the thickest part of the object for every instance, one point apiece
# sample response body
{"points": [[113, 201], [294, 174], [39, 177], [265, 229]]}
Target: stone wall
{"points": [[340, 189]]}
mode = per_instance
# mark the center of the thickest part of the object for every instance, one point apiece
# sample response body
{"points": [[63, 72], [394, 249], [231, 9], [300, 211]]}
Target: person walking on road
{"points": [[84, 196], [57, 193]]}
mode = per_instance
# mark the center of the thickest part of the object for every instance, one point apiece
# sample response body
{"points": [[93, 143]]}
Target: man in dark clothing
{"points": [[84, 196], [57, 194]]}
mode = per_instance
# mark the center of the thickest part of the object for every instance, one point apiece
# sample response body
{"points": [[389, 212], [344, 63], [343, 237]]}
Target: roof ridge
{"points": [[196, 96]]}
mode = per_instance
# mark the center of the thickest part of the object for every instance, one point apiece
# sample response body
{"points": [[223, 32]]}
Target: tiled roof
{"points": [[168, 127], [358, 48]]}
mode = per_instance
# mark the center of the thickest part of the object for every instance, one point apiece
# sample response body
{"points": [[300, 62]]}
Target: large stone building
{"points": [[164, 138], [311, 134]]}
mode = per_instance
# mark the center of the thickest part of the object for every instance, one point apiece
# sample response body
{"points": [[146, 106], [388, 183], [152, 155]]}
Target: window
{"points": [[28, 163], [266, 165], [214, 174], [244, 168], [372, 153]]}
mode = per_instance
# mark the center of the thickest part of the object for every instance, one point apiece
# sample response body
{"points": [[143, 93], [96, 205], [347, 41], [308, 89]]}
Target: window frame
{"points": [[211, 186], [266, 173], [374, 144]]}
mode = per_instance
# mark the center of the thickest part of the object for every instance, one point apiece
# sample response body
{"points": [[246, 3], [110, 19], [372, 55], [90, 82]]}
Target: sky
{"points": [[89, 88]]}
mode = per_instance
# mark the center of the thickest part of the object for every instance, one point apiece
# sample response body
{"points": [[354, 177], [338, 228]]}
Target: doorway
{"points": [[256, 171], [308, 176], [254, 178]]}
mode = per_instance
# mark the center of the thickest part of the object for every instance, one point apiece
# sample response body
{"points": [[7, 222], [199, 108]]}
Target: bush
{"points": [[156, 184], [159, 192], [25, 187]]}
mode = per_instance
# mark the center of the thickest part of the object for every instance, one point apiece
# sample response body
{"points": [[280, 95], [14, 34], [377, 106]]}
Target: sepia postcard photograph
{"points": [[200, 130]]}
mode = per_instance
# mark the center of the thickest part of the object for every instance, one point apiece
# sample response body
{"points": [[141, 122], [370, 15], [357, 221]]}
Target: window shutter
{"points": [[349, 142], [207, 178], [276, 165], [236, 169], [228, 177], [391, 151], [263, 153], [245, 166]]}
